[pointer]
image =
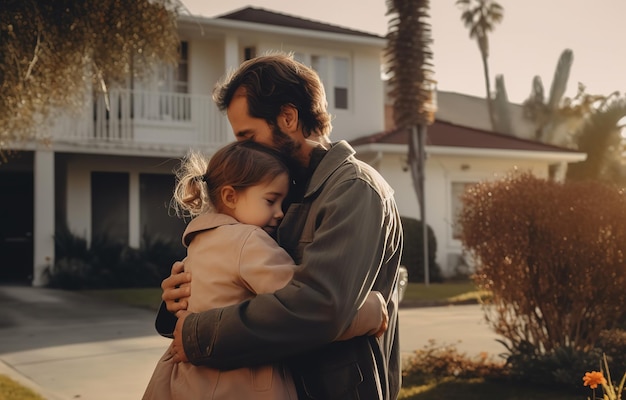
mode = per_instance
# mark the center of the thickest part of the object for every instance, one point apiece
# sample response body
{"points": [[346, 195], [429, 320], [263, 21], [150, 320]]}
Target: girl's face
{"points": [[261, 205]]}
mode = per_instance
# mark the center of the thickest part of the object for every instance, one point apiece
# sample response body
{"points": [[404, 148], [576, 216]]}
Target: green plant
{"points": [[552, 256], [437, 362], [108, 263], [594, 379], [613, 343], [413, 252], [557, 368]]}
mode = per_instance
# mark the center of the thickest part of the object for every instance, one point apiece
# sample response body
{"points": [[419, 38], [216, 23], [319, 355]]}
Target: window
{"points": [[109, 205], [334, 71], [341, 82], [320, 65], [176, 78], [171, 103], [457, 190], [249, 53], [156, 218]]}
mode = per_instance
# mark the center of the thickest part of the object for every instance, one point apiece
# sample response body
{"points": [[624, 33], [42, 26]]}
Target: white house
{"points": [[456, 156], [109, 169]]}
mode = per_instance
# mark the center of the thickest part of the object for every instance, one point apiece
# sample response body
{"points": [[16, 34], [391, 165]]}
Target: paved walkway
{"points": [[68, 346]]}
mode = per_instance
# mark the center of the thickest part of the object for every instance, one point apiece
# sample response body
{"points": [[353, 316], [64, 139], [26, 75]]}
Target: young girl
{"points": [[236, 205]]}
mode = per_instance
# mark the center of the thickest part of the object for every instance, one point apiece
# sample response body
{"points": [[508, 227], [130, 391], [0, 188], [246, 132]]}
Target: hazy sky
{"points": [[528, 42]]}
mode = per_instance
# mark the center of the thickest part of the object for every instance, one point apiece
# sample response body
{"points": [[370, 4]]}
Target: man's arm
{"points": [[336, 274]]}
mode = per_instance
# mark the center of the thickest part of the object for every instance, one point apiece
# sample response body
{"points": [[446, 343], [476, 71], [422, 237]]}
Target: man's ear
{"points": [[288, 119], [228, 195]]}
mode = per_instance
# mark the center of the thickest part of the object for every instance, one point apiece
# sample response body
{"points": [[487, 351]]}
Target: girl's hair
{"points": [[273, 81], [238, 164]]}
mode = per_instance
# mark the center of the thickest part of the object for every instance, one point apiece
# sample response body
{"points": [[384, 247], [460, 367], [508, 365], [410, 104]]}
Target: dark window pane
{"points": [[109, 205], [341, 98], [156, 218]]}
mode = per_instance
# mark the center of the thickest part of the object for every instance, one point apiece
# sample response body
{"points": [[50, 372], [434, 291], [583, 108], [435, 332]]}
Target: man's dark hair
{"points": [[276, 80]]}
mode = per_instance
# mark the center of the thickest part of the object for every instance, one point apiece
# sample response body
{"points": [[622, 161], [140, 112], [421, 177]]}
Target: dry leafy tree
{"points": [[52, 51], [553, 255]]}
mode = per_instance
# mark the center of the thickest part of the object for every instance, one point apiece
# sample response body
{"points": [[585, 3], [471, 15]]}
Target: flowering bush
{"points": [[594, 379]]}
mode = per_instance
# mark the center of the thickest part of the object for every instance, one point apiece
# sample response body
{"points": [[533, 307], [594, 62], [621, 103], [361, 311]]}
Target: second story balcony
{"points": [[135, 122]]}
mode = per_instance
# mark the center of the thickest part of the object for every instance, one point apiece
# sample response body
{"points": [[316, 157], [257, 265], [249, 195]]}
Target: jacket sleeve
{"points": [[337, 271], [368, 319]]}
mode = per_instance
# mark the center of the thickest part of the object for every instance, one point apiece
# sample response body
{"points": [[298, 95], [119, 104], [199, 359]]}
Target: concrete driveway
{"points": [[68, 346]]}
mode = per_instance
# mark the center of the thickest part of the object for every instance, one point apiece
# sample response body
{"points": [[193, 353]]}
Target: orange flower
{"points": [[593, 379]]}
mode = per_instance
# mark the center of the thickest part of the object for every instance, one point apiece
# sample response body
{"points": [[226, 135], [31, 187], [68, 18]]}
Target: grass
{"points": [[12, 390], [417, 294], [479, 389]]}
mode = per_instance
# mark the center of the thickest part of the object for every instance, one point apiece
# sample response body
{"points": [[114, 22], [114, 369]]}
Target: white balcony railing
{"points": [[133, 118]]}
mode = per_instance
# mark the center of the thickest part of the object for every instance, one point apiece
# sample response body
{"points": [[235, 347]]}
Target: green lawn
{"points": [[417, 294], [478, 389], [441, 293], [11, 390]]}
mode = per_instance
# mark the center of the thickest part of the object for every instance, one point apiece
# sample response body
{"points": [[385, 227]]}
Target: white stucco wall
{"points": [[365, 115], [441, 172]]}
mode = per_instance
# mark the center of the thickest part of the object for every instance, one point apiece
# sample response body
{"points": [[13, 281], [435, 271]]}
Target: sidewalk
{"points": [[67, 346]]}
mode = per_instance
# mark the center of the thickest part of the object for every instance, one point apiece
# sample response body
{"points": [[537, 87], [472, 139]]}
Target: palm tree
{"points": [[481, 17], [600, 138], [412, 88]]}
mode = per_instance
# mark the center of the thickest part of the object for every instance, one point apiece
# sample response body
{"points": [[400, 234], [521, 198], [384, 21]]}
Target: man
{"points": [[343, 230]]}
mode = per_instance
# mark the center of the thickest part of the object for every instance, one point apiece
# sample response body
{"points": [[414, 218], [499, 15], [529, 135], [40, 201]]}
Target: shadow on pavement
{"points": [[32, 318]]}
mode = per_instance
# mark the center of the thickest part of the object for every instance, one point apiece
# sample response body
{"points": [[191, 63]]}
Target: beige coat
{"points": [[230, 262]]}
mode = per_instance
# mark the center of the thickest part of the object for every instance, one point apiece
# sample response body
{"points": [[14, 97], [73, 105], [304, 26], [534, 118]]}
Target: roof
{"points": [[446, 134], [263, 16]]}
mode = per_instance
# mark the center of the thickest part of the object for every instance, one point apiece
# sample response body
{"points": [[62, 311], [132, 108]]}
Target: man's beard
{"points": [[285, 145]]}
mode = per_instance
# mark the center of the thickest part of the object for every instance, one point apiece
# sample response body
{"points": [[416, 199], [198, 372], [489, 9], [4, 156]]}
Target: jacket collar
{"points": [[204, 222], [337, 155]]}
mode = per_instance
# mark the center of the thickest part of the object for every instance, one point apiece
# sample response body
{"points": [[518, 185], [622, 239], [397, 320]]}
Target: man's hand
{"points": [[176, 288], [177, 345], [385, 324]]}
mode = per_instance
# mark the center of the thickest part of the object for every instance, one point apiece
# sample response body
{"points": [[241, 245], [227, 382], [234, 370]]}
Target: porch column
{"points": [[134, 228], [43, 212], [231, 53]]}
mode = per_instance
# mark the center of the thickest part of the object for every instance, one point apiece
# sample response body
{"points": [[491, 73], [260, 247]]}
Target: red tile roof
{"points": [[262, 16], [446, 134]]}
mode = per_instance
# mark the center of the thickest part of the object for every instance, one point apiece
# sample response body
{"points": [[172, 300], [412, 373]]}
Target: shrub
{"points": [[107, 263], [552, 255], [413, 251], [438, 362], [559, 367], [613, 344]]}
